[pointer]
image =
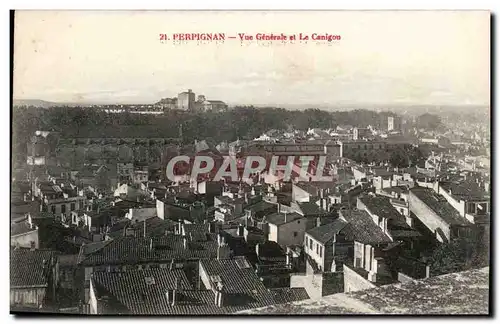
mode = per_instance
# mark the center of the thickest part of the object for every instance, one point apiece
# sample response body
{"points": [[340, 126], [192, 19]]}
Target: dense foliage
{"points": [[428, 121], [241, 122], [459, 255]]}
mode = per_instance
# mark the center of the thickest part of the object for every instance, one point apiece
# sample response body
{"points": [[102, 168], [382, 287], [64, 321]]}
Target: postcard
{"points": [[250, 162]]}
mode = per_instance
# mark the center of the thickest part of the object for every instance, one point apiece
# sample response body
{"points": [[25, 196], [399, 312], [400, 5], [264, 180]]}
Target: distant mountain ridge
{"points": [[45, 104]]}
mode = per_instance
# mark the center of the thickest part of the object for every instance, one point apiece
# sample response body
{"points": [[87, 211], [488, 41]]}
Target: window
{"points": [[317, 248], [320, 251], [310, 244], [63, 209], [80, 205], [72, 206], [295, 234], [53, 209]]}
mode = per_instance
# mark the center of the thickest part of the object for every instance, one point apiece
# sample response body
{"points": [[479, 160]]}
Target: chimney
{"points": [[169, 296], [174, 297], [179, 228], [219, 295], [285, 212], [220, 239], [223, 252], [289, 259]]}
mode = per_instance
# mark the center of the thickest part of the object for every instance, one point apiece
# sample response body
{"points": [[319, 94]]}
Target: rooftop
{"points": [[27, 267], [382, 207], [132, 250], [282, 218], [314, 188], [439, 205], [325, 233], [466, 190], [451, 294], [362, 228]]}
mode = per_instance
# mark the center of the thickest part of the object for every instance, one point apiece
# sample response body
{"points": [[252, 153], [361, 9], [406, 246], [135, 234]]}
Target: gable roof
{"points": [[439, 205], [362, 228], [382, 207], [27, 267], [132, 250], [325, 233], [282, 218]]}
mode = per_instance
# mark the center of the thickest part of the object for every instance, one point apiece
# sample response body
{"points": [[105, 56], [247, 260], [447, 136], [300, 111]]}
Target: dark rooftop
{"points": [[467, 190], [325, 233], [314, 188], [382, 207], [282, 218], [439, 205], [27, 267], [21, 227], [132, 250], [362, 228]]}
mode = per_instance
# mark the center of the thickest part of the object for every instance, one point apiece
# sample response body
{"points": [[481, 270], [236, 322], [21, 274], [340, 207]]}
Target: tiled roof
{"points": [[404, 233], [439, 205], [362, 228], [467, 190], [132, 292], [284, 295], [310, 208], [27, 267], [382, 207], [313, 188], [241, 284], [260, 206], [155, 226], [132, 250], [139, 286], [279, 218], [20, 228], [325, 233]]}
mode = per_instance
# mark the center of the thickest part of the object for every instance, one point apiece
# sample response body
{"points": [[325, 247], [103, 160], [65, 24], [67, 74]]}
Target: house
{"points": [[307, 191], [223, 286], [214, 105], [33, 279], [437, 215], [24, 234], [129, 253], [468, 198], [394, 223], [126, 191], [326, 246], [286, 228]]}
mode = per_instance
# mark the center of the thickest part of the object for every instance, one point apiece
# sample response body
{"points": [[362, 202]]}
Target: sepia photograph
{"points": [[236, 163]]}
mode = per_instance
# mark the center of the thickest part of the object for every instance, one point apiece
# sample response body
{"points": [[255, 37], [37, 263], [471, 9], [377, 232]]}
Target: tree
{"points": [[428, 121], [458, 255]]}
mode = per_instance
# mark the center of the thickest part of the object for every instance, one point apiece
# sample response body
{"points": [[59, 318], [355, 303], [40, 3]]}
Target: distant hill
{"points": [[45, 104]]}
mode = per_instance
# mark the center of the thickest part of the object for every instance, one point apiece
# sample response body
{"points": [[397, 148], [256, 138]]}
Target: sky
{"points": [[392, 57]]}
